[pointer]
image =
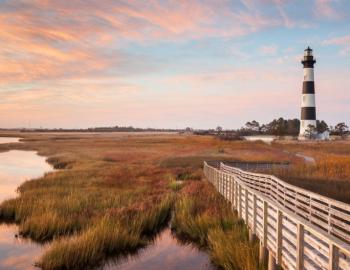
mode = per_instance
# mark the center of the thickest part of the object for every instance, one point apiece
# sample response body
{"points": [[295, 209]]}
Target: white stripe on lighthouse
{"points": [[308, 74], [308, 100]]}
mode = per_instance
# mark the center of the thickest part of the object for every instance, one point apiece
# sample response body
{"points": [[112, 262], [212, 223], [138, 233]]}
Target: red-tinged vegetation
{"points": [[113, 185]]}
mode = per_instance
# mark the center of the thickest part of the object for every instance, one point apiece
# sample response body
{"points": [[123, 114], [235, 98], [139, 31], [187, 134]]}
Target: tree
{"points": [[253, 126], [321, 126], [310, 131], [218, 130], [293, 127], [341, 129]]}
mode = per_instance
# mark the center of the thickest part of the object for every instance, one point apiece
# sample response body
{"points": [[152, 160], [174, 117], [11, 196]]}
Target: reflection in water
{"points": [[15, 168], [165, 253], [18, 166], [8, 140], [16, 253]]}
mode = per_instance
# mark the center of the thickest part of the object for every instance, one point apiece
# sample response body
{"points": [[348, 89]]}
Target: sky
{"points": [[169, 64]]}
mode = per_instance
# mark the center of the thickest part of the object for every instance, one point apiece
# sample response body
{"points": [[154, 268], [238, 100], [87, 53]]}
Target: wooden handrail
{"points": [[301, 229]]}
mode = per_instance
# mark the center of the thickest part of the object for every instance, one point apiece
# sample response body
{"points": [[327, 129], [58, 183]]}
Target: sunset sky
{"points": [[170, 64]]}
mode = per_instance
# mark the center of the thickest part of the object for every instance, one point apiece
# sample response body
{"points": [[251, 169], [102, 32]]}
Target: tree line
{"points": [[280, 127]]}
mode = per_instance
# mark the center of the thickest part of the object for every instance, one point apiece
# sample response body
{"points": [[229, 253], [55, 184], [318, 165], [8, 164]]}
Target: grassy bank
{"points": [[113, 234], [114, 190]]}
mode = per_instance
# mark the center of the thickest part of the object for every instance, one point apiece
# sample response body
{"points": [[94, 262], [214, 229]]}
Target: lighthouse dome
{"points": [[308, 51]]}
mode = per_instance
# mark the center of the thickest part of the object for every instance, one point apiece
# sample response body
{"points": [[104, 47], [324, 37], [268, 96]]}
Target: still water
{"points": [[8, 140], [16, 253], [166, 252], [15, 168]]}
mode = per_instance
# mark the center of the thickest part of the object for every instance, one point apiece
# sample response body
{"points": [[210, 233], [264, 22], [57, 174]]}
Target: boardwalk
{"points": [[297, 229]]}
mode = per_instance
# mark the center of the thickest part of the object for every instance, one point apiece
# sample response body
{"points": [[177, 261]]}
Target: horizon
{"points": [[171, 65]]}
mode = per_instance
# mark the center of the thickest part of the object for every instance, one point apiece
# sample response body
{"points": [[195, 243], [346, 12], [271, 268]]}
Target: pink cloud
{"points": [[343, 41], [36, 46], [269, 49], [323, 8]]}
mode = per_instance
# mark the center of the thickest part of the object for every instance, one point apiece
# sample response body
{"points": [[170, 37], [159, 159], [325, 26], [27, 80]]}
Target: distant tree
{"points": [[218, 130], [341, 129], [189, 129], [253, 126], [278, 127], [310, 131], [321, 126], [264, 128], [293, 127]]}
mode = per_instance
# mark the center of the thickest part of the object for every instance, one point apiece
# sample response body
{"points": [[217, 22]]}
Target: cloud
{"points": [[60, 39], [113, 58], [343, 42], [269, 49], [323, 8]]}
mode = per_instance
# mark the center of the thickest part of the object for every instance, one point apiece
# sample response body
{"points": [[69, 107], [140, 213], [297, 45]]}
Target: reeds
{"points": [[114, 191], [202, 216], [112, 235]]}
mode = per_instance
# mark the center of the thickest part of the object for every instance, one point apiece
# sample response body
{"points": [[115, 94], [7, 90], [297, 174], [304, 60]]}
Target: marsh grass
{"points": [[111, 235], [116, 191], [329, 176], [202, 216]]}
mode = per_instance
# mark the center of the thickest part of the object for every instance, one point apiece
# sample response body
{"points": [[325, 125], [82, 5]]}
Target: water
{"points": [[15, 168], [265, 139], [307, 159], [165, 253], [8, 140], [16, 253]]}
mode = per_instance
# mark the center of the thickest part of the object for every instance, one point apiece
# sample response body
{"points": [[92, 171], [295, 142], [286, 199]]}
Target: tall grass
{"points": [[329, 176], [230, 249], [202, 216], [114, 190], [112, 235]]}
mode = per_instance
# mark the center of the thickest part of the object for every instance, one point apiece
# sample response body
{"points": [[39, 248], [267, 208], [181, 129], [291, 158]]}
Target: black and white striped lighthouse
{"points": [[308, 105]]}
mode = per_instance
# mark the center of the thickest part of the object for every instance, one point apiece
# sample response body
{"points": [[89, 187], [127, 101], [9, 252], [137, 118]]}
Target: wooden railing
{"points": [[300, 229]]}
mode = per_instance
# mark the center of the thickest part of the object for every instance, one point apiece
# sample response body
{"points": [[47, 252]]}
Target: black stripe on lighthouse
{"points": [[308, 113], [308, 87]]}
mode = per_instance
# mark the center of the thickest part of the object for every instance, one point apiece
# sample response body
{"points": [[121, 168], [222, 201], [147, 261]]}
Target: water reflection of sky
{"points": [[15, 168], [165, 253], [16, 253], [8, 140], [18, 166]]}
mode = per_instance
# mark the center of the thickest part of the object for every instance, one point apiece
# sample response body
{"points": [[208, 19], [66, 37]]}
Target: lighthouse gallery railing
{"points": [[303, 230]]}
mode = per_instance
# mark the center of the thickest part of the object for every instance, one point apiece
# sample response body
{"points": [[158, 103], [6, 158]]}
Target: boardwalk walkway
{"points": [[297, 229]]}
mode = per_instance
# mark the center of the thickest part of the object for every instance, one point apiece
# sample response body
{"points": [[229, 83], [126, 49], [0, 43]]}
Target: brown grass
{"points": [[109, 177]]}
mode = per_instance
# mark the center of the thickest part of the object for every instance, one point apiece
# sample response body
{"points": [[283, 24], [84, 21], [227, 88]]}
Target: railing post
{"points": [[333, 257], [300, 247], [240, 201], [263, 250], [235, 194], [232, 192], [246, 206], [272, 262], [254, 214], [279, 237], [226, 186]]}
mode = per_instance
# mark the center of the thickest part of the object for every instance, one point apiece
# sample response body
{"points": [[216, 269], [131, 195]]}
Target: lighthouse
{"points": [[308, 105]]}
